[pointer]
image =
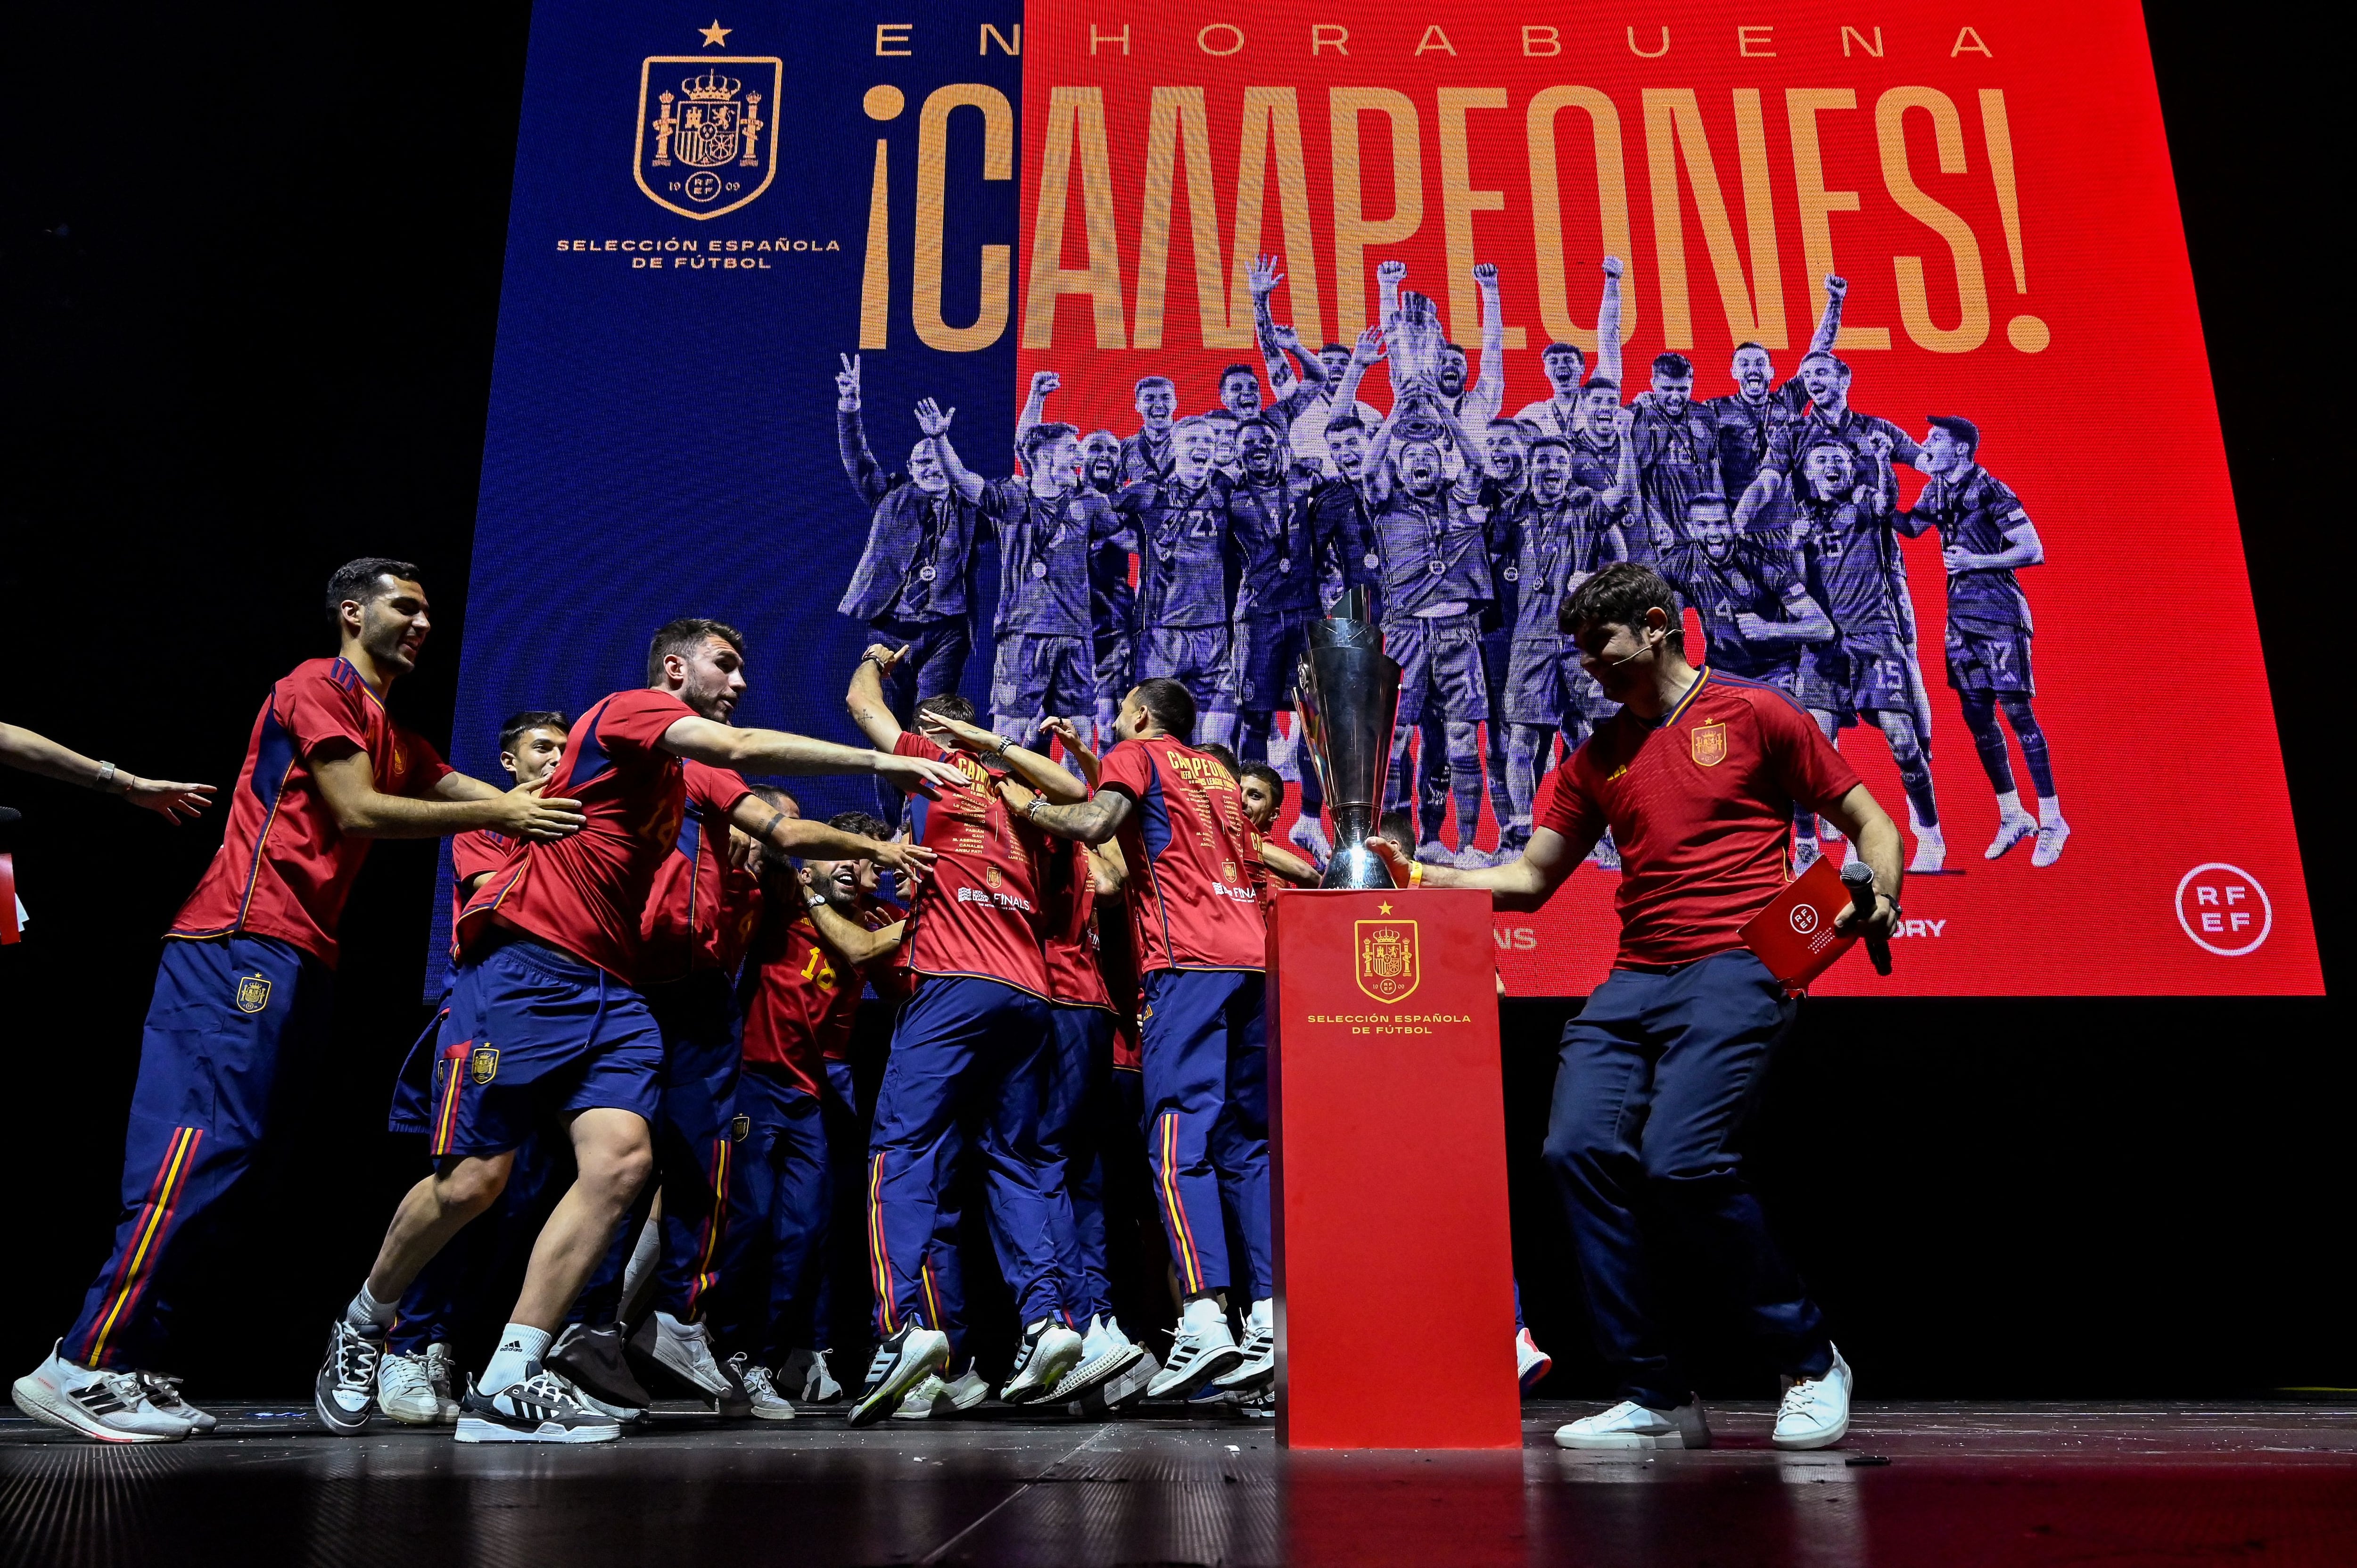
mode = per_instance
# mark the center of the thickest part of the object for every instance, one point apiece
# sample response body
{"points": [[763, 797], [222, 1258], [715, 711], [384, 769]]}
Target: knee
{"points": [[618, 1167], [470, 1186], [1576, 1154], [2018, 710]]}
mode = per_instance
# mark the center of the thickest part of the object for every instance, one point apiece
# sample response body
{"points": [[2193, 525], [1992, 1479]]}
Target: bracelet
{"points": [[107, 774], [1031, 811], [1415, 874]]}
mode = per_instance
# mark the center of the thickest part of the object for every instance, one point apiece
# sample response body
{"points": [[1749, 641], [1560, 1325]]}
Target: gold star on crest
{"points": [[715, 35], [1382, 908]]}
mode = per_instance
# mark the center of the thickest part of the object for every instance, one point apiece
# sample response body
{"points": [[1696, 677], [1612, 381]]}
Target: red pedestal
{"points": [[1387, 1133]]}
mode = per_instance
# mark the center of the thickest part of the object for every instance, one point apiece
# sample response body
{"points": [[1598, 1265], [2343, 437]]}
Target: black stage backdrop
{"points": [[249, 265]]}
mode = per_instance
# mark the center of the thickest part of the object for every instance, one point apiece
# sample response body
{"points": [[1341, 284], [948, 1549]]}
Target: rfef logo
{"points": [[707, 140], [2223, 909]]}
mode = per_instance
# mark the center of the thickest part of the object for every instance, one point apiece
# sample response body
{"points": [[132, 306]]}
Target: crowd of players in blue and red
{"points": [[1197, 548], [637, 1085]]}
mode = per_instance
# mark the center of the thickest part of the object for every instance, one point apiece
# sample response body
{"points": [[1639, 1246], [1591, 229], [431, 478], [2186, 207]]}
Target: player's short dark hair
{"points": [[781, 799], [1347, 420], [1748, 343], [1221, 415], [1397, 827], [1709, 498], [1223, 755], [1829, 357], [1240, 369], [520, 724], [1171, 706], [1267, 775], [1145, 381], [1093, 435], [1573, 349], [1040, 435], [1257, 422], [1334, 349], [1966, 433], [1539, 441], [949, 706], [1519, 428], [1673, 366], [1606, 383], [866, 825], [684, 636], [1459, 348], [1828, 443], [358, 579], [1619, 595]]}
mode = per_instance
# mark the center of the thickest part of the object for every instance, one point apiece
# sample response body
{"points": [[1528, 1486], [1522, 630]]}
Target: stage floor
{"points": [[1917, 1485]]}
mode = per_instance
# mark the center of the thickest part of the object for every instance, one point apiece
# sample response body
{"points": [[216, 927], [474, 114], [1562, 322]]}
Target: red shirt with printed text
{"points": [[977, 913], [701, 911], [284, 867], [585, 894], [1192, 900], [1067, 925], [1700, 805], [799, 1006]]}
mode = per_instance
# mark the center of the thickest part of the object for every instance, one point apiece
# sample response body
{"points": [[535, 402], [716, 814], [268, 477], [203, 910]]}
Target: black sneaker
{"points": [[536, 1410], [902, 1363], [346, 1386], [593, 1359]]}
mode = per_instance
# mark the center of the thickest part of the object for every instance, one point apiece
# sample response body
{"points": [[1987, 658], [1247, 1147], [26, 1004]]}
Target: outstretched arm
{"points": [[1093, 821], [849, 942], [801, 836], [1369, 348], [21, 748], [1389, 276], [1860, 816], [1263, 280], [1287, 866], [1624, 468], [1029, 765], [1829, 324], [1608, 324], [347, 784], [1525, 883], [1758, 493], [1035, 407], [1490, 375], [859, 464], [934, 421]]}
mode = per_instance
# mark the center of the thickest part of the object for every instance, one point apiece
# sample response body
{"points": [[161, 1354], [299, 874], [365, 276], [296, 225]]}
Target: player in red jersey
{"points": [[245, 978], [967, 1047], [545, 1019], [1697, 777], [799, 991], [1201, 945]]}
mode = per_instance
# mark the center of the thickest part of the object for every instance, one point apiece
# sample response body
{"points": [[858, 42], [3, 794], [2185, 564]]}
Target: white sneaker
{"points": [[1531, 1363], [762, 1393], [1471, 859], [1631, 1425], [684, 1351], [1200, 1350], [112, 1407], [1105, 1354], [1815, 1411], [405, 1391], [1049, 1350], [2011, 829], [346, 1384], [1308, 836], [1931, 853], [1258, 1368], [1432, 851], [934, 1399], [2050, 842], [541, 1408], [900, 1363], [163, 1393], [442, 1371], [807, 1372]]}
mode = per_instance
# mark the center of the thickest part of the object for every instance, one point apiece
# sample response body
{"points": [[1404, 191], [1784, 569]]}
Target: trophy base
{"points": [[1356, 866]]}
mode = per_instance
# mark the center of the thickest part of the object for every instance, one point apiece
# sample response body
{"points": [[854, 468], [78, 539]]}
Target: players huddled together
{"points": [[1198, 546], [646, 1143]]}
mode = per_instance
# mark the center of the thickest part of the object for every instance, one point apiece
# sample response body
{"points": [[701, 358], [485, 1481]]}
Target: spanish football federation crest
{"points": [[707, 141], [1388, 962], [252, 992], [484, 1065], [1709, 744]]}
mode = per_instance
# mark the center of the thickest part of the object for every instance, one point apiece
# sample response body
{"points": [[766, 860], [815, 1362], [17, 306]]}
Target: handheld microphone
{"points": [[1858, 877]]}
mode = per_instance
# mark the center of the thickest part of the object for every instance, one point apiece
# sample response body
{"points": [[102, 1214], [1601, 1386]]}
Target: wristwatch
{"points": [[107, 774]]}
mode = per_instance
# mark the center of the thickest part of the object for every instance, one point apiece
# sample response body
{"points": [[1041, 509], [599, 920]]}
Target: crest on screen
{"points": [[706, 142]]}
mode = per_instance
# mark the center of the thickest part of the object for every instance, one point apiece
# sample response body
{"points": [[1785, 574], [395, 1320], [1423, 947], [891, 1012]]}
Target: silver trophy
{"points": [[1414, 338], [1346, 696]]}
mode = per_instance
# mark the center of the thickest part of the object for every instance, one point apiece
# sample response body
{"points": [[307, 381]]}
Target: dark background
{"points": [[249, 272]]}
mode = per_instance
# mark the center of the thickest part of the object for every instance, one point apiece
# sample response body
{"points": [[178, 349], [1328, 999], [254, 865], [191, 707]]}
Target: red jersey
{"points": [[284, 866], [978, 913], [585, 894], [476, 853], [1256, 870], [1700, 806], [700, 913], [799, 1008], [1067, 926], [1117, 962], [1191, 895]]}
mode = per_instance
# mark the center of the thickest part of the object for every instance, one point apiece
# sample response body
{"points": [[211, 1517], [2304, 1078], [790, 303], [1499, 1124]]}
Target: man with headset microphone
{"points": [[1697, 777]]}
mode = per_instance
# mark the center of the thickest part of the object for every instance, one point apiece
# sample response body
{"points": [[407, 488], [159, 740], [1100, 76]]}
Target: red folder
{"points": [[1794, 935]]}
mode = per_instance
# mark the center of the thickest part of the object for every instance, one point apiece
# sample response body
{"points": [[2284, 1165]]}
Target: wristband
{"points": [[107, 774], [1415, 874], [1031, 811]]}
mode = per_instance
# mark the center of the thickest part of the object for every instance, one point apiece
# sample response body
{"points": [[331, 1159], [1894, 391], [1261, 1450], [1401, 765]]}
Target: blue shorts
{"points": [[533, 1033], [1854, 675], [1441, 655], [413, 1090], [1267, 652], [1038, 673], [1990, 660], [1194, 656], [703, 1048]]}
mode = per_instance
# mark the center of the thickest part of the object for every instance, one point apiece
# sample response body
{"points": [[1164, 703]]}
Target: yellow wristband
{"points": [[1415, 874]]}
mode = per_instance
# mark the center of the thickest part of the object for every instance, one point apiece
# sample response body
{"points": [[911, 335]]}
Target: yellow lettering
{"points": [[1096, 37], [1546, 208], [1272, 125], [997, 261], [1075, 115], [1972, 285], [1459, 201], [991, 35], [1969, 42], [893, 33], [1328, 35], [1542, 42], [1752, 42], [1674, 126], [1433, 38], [1874, 48], [1354, 231], [1802, 107], [1229, 31], [1653, 54]]}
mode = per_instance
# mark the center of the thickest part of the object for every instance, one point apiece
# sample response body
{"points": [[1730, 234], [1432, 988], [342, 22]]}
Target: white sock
{"points": [[2008, 803], [2049, 811], [1203, 1310], [520, 1347], [367, 1312], [1263, 1313]]}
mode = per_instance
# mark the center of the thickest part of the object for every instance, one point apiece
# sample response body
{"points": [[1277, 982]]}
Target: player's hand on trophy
{"points": [[173, 803], [1264, 277], [913, 861], [1395, 859], [1485, 273], [1835, 286], [1391, 273], [1042, 384], [524, 814], [933, 419], [847, 384], [1370, 348], [1612, 266]]}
